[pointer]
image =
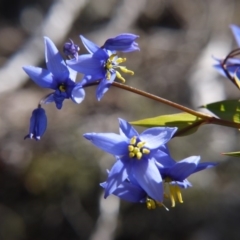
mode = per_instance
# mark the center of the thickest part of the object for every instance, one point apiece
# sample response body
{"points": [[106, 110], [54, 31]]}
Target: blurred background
{"points": [[50, 189]]}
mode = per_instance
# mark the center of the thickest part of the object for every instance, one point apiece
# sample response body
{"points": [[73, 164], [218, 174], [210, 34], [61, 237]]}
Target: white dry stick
{"points": [[56, 26], [107, 222]]}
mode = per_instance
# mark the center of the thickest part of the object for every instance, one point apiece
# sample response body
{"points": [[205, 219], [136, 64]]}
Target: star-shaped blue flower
{"points": [[175, 173], [100, 64], [135, 156], [57, 76]]}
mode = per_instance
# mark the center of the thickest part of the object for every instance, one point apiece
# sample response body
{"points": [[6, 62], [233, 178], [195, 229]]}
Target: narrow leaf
{"points": [[227, 110], [185, 122], [232, 154]]}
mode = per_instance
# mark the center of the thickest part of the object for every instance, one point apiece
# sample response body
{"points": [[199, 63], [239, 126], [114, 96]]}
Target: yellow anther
{"points": [[62, 88], [131, 154], [150, 204], [110, 59], [139, 155], [121, 60], [141, 144], [136, 150], [145, 151], [179, 194], [130, 148], [125, 70], [172, 195], [133, 140], [108, 75], [119, 76]]}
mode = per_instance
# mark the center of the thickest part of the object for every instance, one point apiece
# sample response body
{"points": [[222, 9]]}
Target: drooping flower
{"points": [[57, 76], [38, 124], [71, 50], [124, 42], [99, 65], [175, 174], [135, 156], [131, 191], [232, 64]]}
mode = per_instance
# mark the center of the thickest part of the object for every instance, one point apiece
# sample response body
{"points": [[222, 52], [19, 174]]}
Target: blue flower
{"points": [[99, 65], [58, 77], [135, 156], [175, 173], [124, 42], [38, 124], [232, 64], [71, 50]]}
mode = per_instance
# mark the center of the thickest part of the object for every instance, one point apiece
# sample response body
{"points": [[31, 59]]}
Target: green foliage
{"points": [[186, 123], [232, 154], [227, 110]]}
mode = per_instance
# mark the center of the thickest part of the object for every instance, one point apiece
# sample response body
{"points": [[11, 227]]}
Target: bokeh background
{"points": [[49, 190]]}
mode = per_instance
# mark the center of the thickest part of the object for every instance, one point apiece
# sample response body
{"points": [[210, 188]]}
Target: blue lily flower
{"points": [[57, 77], [175, 173], [124, 42], [135, 156], [99, 65], [38, 124]]}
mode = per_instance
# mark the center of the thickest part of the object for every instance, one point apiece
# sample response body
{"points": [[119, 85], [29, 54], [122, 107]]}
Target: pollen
{"points": [[112, 64], [62, 88], [136, 149], [174, 194]]}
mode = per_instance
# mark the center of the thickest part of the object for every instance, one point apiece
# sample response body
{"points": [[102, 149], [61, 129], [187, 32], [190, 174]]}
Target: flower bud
{"points": [[70, 49]]}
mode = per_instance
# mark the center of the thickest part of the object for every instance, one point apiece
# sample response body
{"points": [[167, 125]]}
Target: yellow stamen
{"points": [[133, 140], [108, 75], [62, 88], [145, 151], [136, 150], [119, 76], [141, 144], [131, 154], [150, 204], [121, 60], [179, 194], [125, 70], [139, 155], [172, 195], [130, 148]]}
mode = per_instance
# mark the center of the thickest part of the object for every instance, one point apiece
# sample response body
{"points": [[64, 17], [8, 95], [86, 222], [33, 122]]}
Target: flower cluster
{"points": [[144, 170], [99, 66]]}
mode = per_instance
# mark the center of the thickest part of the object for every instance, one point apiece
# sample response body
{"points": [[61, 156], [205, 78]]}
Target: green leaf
{"points": [[186, 123], [232, 154], [227, 110]]}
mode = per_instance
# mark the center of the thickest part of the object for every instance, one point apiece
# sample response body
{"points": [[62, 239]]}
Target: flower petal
{"points": [[78, 94], [236, 32], [104, 85], [149, 178], [116, 176], [130, 192], [54, 61], [157, 136], [126, 129], [205, 165], [88, 65], [89, 45], [40, 76], [109, 142], [183, 168]]}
